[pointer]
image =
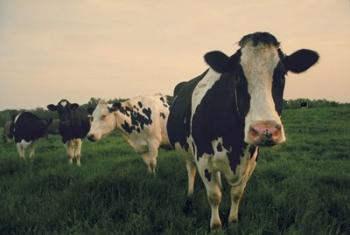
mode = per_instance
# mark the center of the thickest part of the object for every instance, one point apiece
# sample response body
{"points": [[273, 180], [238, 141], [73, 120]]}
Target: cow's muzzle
{"points": [[91, 138], [265, 133]]}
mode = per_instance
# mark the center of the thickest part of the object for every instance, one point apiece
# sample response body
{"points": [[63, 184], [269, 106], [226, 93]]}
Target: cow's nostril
{"points": [[91, 137]]}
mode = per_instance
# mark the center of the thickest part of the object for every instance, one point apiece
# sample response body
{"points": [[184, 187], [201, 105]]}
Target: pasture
{"points": [[300, 187]]}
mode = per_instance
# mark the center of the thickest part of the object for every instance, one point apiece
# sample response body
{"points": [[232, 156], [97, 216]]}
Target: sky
{"points": [[77, 49]]}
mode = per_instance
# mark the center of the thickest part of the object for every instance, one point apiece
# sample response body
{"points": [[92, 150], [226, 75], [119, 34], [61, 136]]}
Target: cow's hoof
{"points": [[188, 208], [216, 226]]}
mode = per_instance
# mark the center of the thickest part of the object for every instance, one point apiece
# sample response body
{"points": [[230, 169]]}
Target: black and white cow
{"points": [[26, 128], [141, 121], [222, 116], [73, 126]]}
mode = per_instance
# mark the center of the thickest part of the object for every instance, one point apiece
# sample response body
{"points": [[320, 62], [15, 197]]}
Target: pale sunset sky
{"points": [[77, 49]]}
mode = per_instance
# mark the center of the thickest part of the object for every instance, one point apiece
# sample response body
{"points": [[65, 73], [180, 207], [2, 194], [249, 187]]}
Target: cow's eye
{"points": [[91, 118]]}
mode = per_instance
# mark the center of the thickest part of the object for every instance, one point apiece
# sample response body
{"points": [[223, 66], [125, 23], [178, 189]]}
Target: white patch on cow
{"points": [[201, 89], [25, 144], [63, 103], [15, 120], [258, 63]]}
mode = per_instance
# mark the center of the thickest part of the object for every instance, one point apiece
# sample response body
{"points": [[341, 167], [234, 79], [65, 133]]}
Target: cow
{"points": [[7, 133], [221, 118], [304, 104], [26, 128], [140, 120], [73, 126]]}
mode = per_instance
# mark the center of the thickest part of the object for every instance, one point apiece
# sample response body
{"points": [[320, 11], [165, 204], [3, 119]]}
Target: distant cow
{"points": [[304, 104], [26, 129], [141, 121], [223, 115], [73, 126], [7, 133]]}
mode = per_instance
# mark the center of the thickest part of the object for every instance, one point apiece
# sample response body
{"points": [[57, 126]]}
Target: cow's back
{"points": [[28, 127], [178, 124]]}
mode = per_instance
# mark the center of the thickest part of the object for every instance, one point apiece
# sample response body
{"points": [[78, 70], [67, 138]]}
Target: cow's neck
{"points": [[120, 119]]}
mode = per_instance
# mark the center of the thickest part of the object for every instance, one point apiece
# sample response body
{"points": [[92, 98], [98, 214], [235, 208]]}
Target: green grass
{"points": [[301, 187]]}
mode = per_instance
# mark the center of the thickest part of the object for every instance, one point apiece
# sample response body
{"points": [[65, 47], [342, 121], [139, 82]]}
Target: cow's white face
{"points": [[102, 122], [258, 64], [259, 68]]}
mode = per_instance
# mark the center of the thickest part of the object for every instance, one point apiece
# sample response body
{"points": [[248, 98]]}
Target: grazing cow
{"points": [[304, 104], [73, 126], [7, 133], [141, 121], [222, 116], [26, 129]]}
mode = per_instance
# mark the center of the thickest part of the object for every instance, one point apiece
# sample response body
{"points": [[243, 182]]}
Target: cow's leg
{"points": [[31, 150], [77, 153], [191, 176], [214, 195], [70, 151], [150, 158], [238, 189], [20, 150]]}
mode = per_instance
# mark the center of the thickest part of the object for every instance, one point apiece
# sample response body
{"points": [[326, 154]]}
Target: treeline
{"points": [[298, 103], [8, 114], [44, 113]]}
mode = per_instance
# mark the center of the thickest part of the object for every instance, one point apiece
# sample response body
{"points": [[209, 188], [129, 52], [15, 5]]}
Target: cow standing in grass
{"points": [[73, 127], [224, 115], [26, 129], [141, 121]]}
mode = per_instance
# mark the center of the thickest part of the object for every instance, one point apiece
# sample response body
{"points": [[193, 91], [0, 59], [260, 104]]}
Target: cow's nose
{"points": [[91, 137], [265, 133]]}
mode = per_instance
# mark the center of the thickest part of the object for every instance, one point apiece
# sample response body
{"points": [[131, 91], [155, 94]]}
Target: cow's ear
{"points": [[74, 106], [52, 107], [115, 106], [90, 110], [301, 60], [220, 62]]}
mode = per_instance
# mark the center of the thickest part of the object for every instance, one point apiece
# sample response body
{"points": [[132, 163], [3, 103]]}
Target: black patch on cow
{"points": [[178, 130], [140, 104], [74, 122], [162, 115], [207, 174], [138, 120], [278, 86], [259, 38], [29, 127], [252, 149], [127, 127], [219, 147]]}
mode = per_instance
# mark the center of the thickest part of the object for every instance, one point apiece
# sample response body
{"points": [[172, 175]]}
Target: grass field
{"points": [[300, 187]]}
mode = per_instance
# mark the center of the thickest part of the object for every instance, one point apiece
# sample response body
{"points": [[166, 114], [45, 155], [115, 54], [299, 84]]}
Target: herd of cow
{"points": [[218, 120]]}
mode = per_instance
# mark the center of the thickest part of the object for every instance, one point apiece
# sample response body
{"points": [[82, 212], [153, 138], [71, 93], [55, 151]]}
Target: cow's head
{"points": [[64, 110], [103, 120], [259, 67]]}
